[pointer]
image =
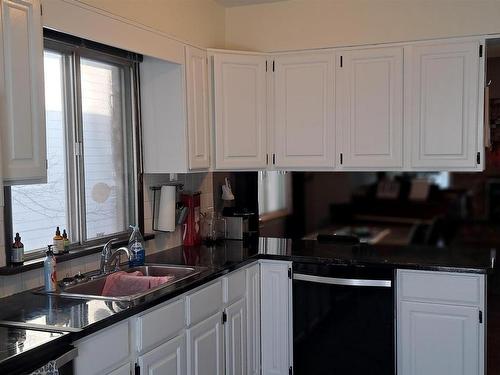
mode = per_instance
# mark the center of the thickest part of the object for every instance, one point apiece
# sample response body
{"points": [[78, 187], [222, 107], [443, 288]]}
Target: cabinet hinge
{"points": [[274, 159], [273, 65], [267, 159], [480, 50], [47, 164], [137, 369], [478, 158], [341, 61], [480, 317], [290, 370], [41, 9], [224, 317], [266, 65], [290, 273], [341, 158]]}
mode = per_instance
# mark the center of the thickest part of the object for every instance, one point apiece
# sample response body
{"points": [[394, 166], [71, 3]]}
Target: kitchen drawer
{"points": [[160, 324], [204, 303], [234, 286], [103, 351], [442, 287]]}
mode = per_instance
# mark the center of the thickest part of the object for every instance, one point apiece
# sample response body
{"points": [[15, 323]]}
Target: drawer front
{"points": [[103, 351], [234, 286], [160, 324], [204, 303], [442, 287]]}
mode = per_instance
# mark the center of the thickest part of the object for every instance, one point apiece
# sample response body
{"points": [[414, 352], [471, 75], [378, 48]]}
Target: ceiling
{"points": [[237, 3]]}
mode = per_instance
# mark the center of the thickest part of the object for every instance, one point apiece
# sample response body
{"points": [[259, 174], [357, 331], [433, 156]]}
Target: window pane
{"points": [[104, 144], [38, 209]]}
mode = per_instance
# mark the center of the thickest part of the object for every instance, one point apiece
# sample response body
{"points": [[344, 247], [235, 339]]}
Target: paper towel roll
{"points": [[166, 211]]}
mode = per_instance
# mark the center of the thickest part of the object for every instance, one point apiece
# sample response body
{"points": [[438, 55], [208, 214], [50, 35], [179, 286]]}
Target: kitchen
{"points": [[246, 120]]}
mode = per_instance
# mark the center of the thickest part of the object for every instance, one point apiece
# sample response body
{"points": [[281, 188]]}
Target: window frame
{"points": [[72, 52]]}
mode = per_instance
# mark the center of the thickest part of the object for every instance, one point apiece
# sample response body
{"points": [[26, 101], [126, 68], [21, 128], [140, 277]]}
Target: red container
{"points": [[192, 234]]}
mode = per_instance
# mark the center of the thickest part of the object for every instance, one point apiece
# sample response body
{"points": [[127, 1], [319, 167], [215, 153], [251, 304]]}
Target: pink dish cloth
{"points": [[124, 284]]}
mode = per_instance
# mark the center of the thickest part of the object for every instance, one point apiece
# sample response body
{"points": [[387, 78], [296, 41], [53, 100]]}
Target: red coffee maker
{"points": [[191, 235]]}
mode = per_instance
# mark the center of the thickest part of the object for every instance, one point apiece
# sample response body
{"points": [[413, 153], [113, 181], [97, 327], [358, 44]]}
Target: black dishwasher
{"points": [[343, 320]]}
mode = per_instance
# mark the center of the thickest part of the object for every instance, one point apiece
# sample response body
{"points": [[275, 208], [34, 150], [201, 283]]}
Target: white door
{"points": [[437, 339], [122, 370], [369, 108], [253, 320], [235, 329], [275, 318], [442, 83], [304, 119], [168, 358], [197, 108], [22, 106], [240, 111], [206, 347]]}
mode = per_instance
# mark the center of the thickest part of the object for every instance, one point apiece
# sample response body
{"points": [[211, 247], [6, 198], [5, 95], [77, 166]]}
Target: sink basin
{"points": [[93, 288]]}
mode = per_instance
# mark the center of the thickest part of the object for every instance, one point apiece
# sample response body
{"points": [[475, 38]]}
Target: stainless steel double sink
{"points": [[93, 288]]}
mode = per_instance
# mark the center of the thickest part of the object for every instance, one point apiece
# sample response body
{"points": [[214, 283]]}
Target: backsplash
{"points": [[202, 182]]}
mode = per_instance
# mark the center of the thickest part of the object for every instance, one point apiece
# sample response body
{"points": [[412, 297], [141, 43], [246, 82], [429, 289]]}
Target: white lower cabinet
{"points": [[440, 323], [125, 369], [206, 347], [253, 319], [235, 333], [167, 359], [276, 333]]}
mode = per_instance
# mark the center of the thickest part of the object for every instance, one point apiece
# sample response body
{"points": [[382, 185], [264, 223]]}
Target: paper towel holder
{"points": [[178, 185]]}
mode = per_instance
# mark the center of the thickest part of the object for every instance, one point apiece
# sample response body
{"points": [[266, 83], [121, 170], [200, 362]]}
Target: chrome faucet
{"points": [[110, 259]]}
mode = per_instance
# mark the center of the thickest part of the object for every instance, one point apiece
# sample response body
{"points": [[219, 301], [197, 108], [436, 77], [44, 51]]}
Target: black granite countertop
{"points": [[82, 317], [25, 350]]}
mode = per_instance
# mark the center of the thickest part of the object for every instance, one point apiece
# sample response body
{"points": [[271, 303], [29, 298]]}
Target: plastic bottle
{"points": [[66, 241], [17, 251], [136, 246], [58, 242], [49, 270]]}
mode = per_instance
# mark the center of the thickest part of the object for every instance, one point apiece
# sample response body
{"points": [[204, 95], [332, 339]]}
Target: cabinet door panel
{"points": [[236, 336], [275, 333], [304, 123], [253, 319], [197, 105], [370, 108], [169, 358], [240, 111], [205, 347], [122, 370], [436, 339], [22, 107], [443, 105]]}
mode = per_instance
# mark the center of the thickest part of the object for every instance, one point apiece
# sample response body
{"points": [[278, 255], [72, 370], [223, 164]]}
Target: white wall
{"points": [[200, 22], [301, 24]]}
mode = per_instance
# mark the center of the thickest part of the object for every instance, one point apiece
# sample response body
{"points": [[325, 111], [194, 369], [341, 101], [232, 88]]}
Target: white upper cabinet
{"points": [[240, 111], [174, 110], [197, 108], [369, 92], [442, 108], [304, 110], [22, 107]]}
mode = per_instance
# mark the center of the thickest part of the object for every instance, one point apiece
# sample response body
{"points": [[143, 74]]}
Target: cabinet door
{"points": [[22, 107], [253, 319], [442, 86], [205, 347], [240, 111], [436, 339], [169, 358], [235, 330], [304, 121], [197, 108], [370, 108], [275, 334], [122, 370]]}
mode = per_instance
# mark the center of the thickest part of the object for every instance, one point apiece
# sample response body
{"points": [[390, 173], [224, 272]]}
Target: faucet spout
{"points": [[114, 259]]}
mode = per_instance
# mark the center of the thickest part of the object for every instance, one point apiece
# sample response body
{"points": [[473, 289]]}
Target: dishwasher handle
{"points": [[342, 281]]}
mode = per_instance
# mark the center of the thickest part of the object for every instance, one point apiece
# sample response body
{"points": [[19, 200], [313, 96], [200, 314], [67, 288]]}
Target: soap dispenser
{"points": [[49, 270]]}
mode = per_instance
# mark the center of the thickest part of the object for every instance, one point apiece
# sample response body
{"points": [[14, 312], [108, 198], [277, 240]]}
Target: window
{"points": [[91, 177], [275, 194]]}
